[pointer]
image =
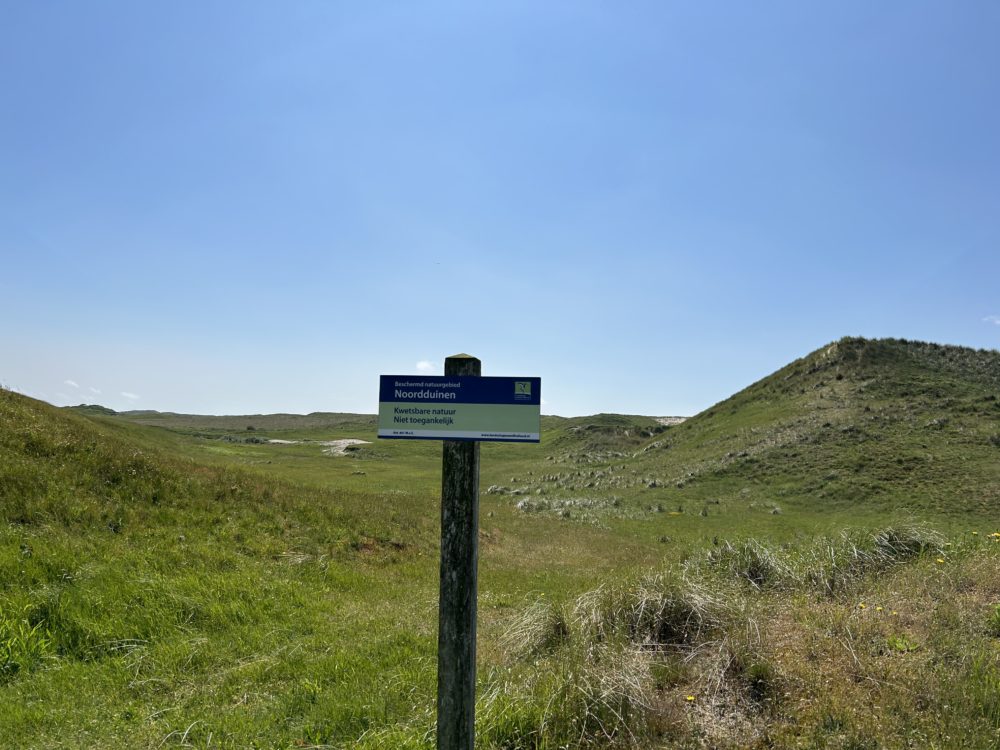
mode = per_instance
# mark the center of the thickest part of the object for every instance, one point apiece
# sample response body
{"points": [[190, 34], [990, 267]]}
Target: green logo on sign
{"points": [[522, 387]]}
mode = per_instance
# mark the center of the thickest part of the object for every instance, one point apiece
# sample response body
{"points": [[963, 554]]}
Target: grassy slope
{"points": [[254, 609], [862, 423], [276, 595], [174, 591]]}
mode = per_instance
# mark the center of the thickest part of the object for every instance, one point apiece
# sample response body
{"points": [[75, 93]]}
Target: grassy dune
{"points": [[179, 581], [146, 595]]}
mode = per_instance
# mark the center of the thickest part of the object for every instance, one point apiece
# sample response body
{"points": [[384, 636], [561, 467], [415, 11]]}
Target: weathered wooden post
{"points": [[456, 702], [461, 408]]}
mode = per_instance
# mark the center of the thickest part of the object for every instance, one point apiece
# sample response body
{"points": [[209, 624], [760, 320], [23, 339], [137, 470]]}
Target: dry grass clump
{"points": [[540, 628], [592, 678], [657, 610], [833, 566], [752, 562], [595, 697]]}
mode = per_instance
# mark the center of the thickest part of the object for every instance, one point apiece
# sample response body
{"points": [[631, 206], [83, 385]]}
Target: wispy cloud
{"points": [[994, 319], [426, 368], [72, 383], [94, 390], [130, 396]]}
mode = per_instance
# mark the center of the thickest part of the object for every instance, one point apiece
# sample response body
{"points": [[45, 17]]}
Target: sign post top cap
{"points": [[463, 364]]}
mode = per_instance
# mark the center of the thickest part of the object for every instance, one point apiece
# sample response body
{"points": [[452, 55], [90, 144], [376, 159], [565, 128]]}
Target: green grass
{"points": [[177, 581], [270, 607]]}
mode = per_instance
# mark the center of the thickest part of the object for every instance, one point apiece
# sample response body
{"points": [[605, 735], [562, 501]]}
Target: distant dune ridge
{"points": [[858, 420]]}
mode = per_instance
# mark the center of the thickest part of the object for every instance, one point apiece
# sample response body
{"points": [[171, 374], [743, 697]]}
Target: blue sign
{"points": [[467, 407]]}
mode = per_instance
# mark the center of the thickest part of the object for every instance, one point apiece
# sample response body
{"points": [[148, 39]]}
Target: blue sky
{"points": [[236, 207]]}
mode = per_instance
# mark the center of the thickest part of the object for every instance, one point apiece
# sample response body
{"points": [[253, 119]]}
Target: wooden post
{"points": [[456, 702]]}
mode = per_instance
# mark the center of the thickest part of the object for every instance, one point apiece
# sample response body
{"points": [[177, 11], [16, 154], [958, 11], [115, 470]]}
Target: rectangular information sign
{"points": [[489, 409]]}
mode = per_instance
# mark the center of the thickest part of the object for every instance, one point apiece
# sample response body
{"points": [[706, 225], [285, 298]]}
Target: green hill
{"points": [[247, 422], [858, 426], [886, 423], [810, 563], [856, 429]]}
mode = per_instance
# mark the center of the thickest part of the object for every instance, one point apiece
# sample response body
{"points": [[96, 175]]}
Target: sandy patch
{"points": [[339, 447], [283, 442]]}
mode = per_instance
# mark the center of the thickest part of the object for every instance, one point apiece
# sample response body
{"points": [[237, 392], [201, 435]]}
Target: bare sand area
{"points": [[339, 447]]}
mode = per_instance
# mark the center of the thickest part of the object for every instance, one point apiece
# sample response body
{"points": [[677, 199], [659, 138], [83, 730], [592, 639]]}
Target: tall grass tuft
{"points": [[752, 562], [579, 697], [901, 543], [539, 629], [587, 680], [833, 566], [657, 610], [993, 621], [981, 691], [22, 645]]}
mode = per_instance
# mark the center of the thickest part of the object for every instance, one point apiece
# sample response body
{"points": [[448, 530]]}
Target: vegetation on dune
{"points": [[831, 566], [871, 425], [695, 657], [174, 590], [641, 584]]}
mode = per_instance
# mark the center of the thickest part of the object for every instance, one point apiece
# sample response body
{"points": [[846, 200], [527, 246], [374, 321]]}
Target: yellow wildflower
{"points": [[689, 699], [940, 560]]}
